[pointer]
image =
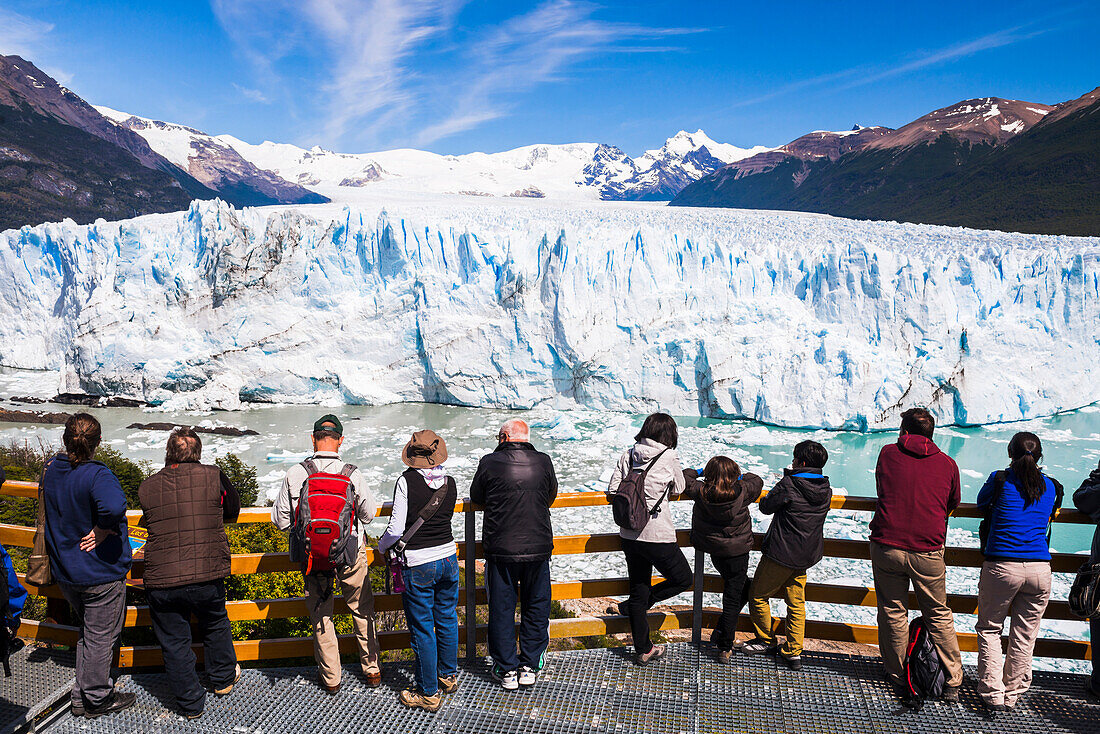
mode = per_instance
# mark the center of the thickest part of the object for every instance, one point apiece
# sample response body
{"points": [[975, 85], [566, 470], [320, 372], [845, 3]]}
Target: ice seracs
{"points": [[797, 320]]}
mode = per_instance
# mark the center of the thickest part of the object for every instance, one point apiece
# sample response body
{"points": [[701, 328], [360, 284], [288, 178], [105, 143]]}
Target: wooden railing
{"points": [[472, 595]]}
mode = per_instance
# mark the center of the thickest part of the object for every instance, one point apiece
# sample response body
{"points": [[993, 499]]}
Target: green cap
{"points": [[329, 423]]}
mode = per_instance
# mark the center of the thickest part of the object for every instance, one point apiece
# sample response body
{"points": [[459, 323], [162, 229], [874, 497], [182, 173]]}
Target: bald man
{"points": [[516, 486]]}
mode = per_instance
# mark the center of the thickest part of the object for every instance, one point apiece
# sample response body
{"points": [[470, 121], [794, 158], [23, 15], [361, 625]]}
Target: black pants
{"points": [[735, 594], [641, 559], [171, 610], [530, 581]]}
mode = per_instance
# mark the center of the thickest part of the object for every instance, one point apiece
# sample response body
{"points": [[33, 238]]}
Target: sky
{"points": [[456, 76]]}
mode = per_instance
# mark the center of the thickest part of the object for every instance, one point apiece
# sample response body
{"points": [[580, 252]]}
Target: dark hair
{"points": [[918, 421], [81, 437], [326, 435], [720, 479], [810, 454], [659, 427], [184, 446], [1026, 450]]}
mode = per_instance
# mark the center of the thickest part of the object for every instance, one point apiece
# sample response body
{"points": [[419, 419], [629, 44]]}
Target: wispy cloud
{"points": [[375, 86]]}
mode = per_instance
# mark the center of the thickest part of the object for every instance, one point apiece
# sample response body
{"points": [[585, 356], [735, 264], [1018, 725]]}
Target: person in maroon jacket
{"points": [[918, 489]]}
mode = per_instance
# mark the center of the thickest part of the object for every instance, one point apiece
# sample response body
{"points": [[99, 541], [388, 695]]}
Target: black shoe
{"points": [[119, 701]]}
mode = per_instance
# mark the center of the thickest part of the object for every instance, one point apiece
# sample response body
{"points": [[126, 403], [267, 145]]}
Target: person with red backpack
{"points": [[326, 505]]}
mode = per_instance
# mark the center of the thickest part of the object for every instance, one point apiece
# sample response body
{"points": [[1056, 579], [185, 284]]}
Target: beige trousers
{"points": [[1019, 590], [894, 569], [355, 583]]}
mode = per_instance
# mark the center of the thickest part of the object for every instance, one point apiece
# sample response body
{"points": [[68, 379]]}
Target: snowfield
{"points": [[789, 319]]}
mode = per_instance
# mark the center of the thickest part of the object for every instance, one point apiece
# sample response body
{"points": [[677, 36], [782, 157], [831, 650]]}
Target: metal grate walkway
{"points": [[590, 691]]}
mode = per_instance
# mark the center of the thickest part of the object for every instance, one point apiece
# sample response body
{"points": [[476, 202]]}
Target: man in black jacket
{"points": [[516, 485], [1087, 500]]}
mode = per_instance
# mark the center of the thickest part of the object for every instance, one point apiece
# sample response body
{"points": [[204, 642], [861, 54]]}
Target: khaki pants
{"points": [[1022, 590], [772, 580], [360, 599], [894, 568]]}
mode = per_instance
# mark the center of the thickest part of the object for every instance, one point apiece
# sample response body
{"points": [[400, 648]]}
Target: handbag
{"points": [[38, 565]]}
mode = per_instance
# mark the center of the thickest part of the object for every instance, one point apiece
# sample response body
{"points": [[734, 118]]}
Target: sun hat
{"points": [[425, 450]]}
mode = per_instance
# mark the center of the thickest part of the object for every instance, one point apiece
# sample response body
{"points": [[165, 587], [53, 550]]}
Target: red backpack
{"points": [[323, 535]]}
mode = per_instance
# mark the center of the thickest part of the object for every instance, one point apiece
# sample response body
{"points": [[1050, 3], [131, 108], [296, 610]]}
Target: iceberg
{"points": [[788, 319]]}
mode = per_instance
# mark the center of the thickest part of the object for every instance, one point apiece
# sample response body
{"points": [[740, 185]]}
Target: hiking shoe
{"points": [[655, 652], [448, 684], [417, 700], [527, 676], [509, 679], [794, 662], [950, 694], [226, 690], [119, 701], [757, 646]]}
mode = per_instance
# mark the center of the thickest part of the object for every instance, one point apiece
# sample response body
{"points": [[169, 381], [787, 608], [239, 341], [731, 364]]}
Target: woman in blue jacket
{"points": [[1019, 504]]}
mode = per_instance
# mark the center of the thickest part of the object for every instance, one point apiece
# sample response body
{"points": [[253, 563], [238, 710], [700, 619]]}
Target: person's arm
{"points": [[231, 500], [776, 499], [281, 511], [985, 494], [396, 527], [553, 493], [366, 504], [17, 595], [477, 486]]}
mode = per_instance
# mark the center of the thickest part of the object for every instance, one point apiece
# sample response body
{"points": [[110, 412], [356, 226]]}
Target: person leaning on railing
{"points": [[185, 507], [516, 485], [87, 541], [1015, 581], [1087, 500], [655, 547], [918, 488]]}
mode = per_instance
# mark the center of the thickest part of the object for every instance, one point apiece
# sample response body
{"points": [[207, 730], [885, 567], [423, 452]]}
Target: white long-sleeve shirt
{"points": [[282, 512], [435, 478]]}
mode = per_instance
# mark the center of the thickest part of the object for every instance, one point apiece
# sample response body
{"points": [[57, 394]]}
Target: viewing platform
{"points": [[590, 691]]}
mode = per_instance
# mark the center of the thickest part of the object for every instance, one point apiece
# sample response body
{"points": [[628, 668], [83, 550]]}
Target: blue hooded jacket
{"points": [[1018, 532]]}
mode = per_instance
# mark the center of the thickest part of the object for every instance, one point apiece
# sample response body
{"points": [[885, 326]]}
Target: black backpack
{"points": [[628, 504], [925, 676]]}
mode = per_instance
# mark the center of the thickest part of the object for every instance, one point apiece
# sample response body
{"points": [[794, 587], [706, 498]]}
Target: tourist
{"points": [[1019, 505], [516, 485], [918, 489], [1087, 500], [87, 542], [323, 474], [654, 546], [186, 505], [721, 526], [429, 558], [794, 543]]}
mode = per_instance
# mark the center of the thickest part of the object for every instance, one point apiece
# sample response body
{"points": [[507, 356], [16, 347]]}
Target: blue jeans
{"points": [[431, 611]]}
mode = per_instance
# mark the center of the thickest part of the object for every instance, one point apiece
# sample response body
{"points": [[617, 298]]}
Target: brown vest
{"points": [[183, 513]]}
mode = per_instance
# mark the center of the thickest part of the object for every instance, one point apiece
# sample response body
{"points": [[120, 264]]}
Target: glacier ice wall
{"points": [[790, 319]]}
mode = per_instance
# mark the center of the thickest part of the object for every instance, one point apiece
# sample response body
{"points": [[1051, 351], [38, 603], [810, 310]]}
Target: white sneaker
{"points": [[527, 676], [509, 680]]}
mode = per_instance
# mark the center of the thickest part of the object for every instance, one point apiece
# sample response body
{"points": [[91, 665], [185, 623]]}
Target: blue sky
{"points": [[454, 76]]}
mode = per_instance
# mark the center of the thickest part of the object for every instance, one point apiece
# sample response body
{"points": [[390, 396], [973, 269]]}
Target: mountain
{"points": [[213, 163], [60, 158], [571, 170], [599, 305], [1035, 163]]}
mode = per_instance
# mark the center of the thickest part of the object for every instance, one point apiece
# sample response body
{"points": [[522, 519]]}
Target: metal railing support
{"points": [[471, 582], [697, 599]]}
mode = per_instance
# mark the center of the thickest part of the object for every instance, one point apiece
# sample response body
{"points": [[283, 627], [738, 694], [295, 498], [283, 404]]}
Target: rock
{"points": [[218, 430], [32, 416]]}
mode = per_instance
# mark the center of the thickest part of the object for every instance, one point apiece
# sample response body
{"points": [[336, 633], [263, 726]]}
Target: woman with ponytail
{"points": [[1019, 504], [89, 549]]}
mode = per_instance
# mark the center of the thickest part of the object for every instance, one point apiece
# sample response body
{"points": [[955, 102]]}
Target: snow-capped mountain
{"points": [[213, 163], [606, 306]]}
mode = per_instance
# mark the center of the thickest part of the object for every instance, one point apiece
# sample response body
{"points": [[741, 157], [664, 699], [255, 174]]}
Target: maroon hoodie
{"points": [[918, 487]]}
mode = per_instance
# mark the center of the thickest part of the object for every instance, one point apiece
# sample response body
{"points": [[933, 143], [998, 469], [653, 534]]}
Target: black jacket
{"points": [[724, 528], [1087, 500], [796, 538], [516, 484]]}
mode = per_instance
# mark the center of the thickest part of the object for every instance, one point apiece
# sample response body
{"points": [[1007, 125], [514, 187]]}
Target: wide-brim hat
{"points": [[425, 450]]}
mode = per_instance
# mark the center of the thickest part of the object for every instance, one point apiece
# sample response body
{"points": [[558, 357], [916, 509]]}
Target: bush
{"points": [[242, 476]]}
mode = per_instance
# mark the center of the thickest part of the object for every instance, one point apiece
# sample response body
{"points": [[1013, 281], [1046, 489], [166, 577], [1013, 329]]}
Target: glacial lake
{"points": [[584, 446]]}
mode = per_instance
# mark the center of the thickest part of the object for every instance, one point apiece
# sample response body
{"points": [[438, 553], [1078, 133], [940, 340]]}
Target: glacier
{"points": [[788, 319]]}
